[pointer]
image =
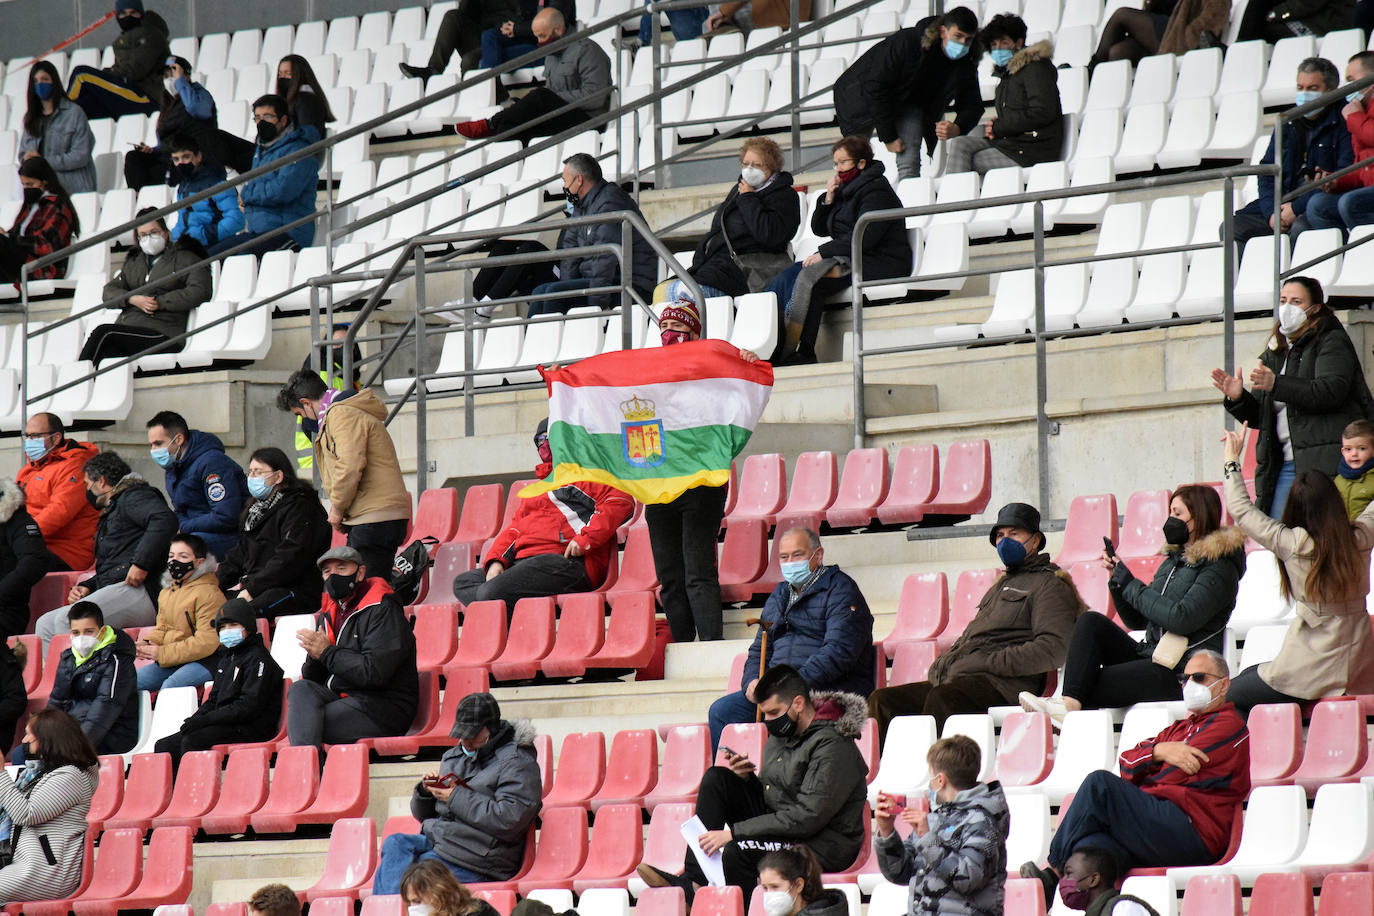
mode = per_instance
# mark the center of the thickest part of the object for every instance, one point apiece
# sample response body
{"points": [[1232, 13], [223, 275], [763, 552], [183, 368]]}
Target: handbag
{"points": [[759, 267], [1169, 651]]}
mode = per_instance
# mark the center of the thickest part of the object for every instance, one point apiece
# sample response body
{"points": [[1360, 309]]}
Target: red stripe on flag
{"points": [[679, 363]]}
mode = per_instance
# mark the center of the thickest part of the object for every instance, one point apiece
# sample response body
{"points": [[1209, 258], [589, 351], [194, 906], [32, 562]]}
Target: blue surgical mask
{"points": [[796, 571], [161, 456], [1303, 96], [1012, 552], [469, 754], [1001, 56], [35, 448], [43, 91], [229, 637], [934, 799], [1355, 96], [258, 488], [954, 50]]}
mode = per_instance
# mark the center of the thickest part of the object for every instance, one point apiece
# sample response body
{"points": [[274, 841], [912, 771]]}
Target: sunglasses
{"points": [[1197, 677]]}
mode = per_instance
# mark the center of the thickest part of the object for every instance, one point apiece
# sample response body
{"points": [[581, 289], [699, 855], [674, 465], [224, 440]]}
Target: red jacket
{"points": [[1212, 795], [50, 230], [1361, 126], [55, 491], [588, 513]]}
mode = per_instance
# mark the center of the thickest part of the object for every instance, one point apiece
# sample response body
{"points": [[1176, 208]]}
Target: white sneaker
{"points": [[1051, 706]]}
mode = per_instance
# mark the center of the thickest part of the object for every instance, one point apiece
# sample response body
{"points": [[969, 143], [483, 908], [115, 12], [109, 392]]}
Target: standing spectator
{"points": [[1275, 20], [361, 474], [331, 372], [244, 704], [282, 531], [184, 638], [55, 128], [429, 884], [1353, 477], [297, 83], [1090, 875], [281, 196], [359, 680], [589, 193], [515, 37], [95, 681], [46, 222], [54, 491], [901, 86], [790, 879], [1349, 202], [206, 487], [134, 84], [213, 218], [1324, 569], [24, 560], [1027, 125], [1307, 386], [817, 621], [578, 75], [154, 316], [131, 540], [1161, 27], [274, 900], [46, 806], [188, 109]]}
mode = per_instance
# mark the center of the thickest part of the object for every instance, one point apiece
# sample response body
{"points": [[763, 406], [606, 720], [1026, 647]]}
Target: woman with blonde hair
{"points": [[428, 887]]}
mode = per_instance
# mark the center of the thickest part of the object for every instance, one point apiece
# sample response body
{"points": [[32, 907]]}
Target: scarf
{"points": [[27, 777], [1350, 473], [261, 509]]}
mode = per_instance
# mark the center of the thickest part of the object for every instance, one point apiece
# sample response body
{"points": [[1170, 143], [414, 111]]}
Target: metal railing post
{"points": [[1228, 286], [1042, 386], [421, 425], [795, 73], [1278, 209], [856, 355], [24, 392], [656, 33], [469, 396], [626, 278]]}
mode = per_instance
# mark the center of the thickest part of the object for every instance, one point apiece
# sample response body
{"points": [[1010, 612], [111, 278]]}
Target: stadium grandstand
{"points": [[1052, 343]]}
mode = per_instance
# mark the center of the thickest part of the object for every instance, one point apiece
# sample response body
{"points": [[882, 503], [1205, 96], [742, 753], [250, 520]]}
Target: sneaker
{"points": [[421, 73], [1047, 878], [474, 130], [1051, 706], [657, 877], [627, 43]]}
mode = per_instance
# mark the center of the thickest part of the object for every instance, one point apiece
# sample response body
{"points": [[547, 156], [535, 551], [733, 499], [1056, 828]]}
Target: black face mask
{"points": [[93, 499], [783, 726], [283, 86], [129, 22], [31, 196], [572, 198], [183, 172], [1175, 531], [180, 569], [28, 750], [267, 132], [340, 587]]}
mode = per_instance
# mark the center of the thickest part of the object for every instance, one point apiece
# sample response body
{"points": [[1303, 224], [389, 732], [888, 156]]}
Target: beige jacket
{"points": [[186, 617], [1329, 649], [358, 463]]}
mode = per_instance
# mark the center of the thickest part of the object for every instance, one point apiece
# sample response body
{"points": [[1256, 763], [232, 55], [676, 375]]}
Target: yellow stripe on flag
{"points": [[650, 490]]}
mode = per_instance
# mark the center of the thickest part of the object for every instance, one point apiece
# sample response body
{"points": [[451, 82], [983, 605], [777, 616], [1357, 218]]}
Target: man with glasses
{"points": [[55, 493], [1178, 792]]}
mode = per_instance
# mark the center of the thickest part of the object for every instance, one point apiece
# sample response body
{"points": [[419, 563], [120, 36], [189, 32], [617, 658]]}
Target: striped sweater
{"points": [[51, 821]]}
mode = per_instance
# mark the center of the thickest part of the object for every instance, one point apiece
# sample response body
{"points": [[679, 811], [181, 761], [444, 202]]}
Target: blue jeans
{"points": [[1281, 488], [678, 289], [402, 850], [686, 24], [1341, 211], [497, 49], [156, 677], [729, 709], [550, 306], [1138, 828], [785, 284]]}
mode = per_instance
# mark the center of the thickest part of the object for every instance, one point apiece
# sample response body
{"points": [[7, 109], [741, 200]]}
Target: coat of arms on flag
{"points": [[641, 433]]}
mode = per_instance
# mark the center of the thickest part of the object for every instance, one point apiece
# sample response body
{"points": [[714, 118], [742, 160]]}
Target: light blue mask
{"points": [[469, 754], [954, 50], [35, 448], [1303, 96], [1001, 56], [796, 571], [1355, 96], [230, 638], [258, 488], [161, 456], [934, 800]]}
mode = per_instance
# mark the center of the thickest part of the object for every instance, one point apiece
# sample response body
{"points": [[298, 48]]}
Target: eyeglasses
{"points": [[1197, 677], [844, 164], [37, 437], [540, 440]]}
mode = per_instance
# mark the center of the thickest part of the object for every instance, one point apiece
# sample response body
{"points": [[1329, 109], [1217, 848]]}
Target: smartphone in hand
{"points": [[1108, 546]]}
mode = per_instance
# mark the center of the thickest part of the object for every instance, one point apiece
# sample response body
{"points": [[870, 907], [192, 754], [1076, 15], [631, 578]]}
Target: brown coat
{"points": [[1329, 648], [358, 463], [1189, 20], [186, 617]]}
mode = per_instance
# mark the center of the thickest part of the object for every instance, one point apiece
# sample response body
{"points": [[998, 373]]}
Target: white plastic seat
{"points": [[407, 25], [1189, 128], [1110, 86], [720, 317], [1142, 138], [1357, 268], [500, 350], [1099, 134], [245, 48], [374, 29], [145, 725], [1042, 15], [209, 340], [1273, 834], [1283, 67], [1028, 839], [756, 61], [756, 323], [250, 337], [1040, 178], [1244, 66], [69, 402], [1074, 45], [603, 901], [888, 899], [1341, 45], [1199, 74], [585, 336], [980, 728], [1087, 742], [342, 36], [613, 338], [1156, 890], [1342, 829], [912, 192], [111, 397], [1086, 172], [992, 222], [1073, 89], [748, 87], [213, 53], [174, 705], [1258, 600], [1262, 644], [452, 358], [1162, 275], [1315, 243], [539, 348], [276, 44], [116, 208], [1142, 722], [710, 97], [1122, 230], [1066, 291], [287, 652], [1154, 80], [1255, 286], [1202, 291], [1239, 124], [945, 251], [902, 769], [956, 188]]}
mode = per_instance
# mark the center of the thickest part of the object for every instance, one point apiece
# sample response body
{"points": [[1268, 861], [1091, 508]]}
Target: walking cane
{"points": [[763, 655]]}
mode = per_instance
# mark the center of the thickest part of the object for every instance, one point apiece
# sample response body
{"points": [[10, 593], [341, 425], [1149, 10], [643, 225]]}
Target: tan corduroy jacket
{"points": [[358, 463]]}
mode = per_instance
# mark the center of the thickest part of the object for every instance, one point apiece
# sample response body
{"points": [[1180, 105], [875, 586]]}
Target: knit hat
{"points": [[1015, 515], [684, 310], [124, 6], [236, 610]]}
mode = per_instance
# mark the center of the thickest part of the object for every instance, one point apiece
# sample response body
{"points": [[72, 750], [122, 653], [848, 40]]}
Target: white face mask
{"points": [[419, 909], [83, 645], [1196, 696], [754, 177], [153, 245], [170, 85], [777, 903], [1291, 318]]}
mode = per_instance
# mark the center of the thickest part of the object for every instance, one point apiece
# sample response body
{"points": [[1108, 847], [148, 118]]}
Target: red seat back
{"points": [[1337, 743], [1282, 895], [530, 639], [718, 901], [915, 481], [109, 793], [1211, 895], [33, 660], [351, 859], [147, 790], [665, 846], [118, 864], [863, 485], [911, 661], [631, 769], [295, 781], [1090, 519], [450, 561], [243, 790], [662, 901], [1275, 742], [196, 789], [966, 484], [1024, 749], [331, 906], [1348, 893], [48, 594], [562, 846], [744, 738], [1024, 897], [437, 514], [815, 480], [581, 769], [969, 589], [543, 756], [686, 755], [922, 609], [227, 909], [436, 634], [481, 513], [343, 784], [737, 672], [615, 847], [482, 636], [512, 504], [762, 489], [637, 571], [458, 683], [1090, 578], [581, 633], [167, 874], [1142, 532], [59, 644], [744, 552], [629, 633]]}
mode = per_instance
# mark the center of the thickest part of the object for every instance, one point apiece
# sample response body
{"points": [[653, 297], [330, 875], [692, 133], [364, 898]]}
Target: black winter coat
{"points": [[281, 549], [908, 69], [246, 692], [1321, 381], [13, 699], [603, 269], [135, 529], [760, 221], [887, 248], [1030, 121], [24, 559], [101, 693]]}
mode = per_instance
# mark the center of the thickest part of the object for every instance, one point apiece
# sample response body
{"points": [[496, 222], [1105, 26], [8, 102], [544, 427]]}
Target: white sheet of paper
{"points": [[710, 865]]}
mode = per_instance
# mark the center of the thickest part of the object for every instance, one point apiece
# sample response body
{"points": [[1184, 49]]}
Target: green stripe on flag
{"points": [[685, 451]]}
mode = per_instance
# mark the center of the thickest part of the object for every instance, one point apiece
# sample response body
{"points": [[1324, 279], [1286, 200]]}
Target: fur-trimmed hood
{"points": [[1041, 50], [846, 710], [1215, 546], [11, 498], [128, 482], [204, 568]]}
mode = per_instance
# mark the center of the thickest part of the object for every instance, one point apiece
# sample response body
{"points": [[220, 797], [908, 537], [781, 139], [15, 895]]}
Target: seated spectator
{"points": [[749, 241], [1090, 876], [207, 488], [578, 75], [511, 281], [24, 560], [901, 87], [558, 542], [244, 703], [14, 698], [747, 15], [514, 39], [297, 83], [1353, 478], [46, 222], [1018, 637], [274, 900], [810, 789], [188, 110], [184, 638], [54, 492], [46, 806], [1275, 20], [1319, 146], [589, 193], [283, 530], [1186, 606], [429, 884], [955, 860], [55, 128], [213, 218], [857, 187], [153, 316], [1349, 202], [282, 196], [1162, 27], [476, 823], [134, 84], [131, 540], [791, 879], [461, 29], [685, 24], [1178, 792], [1027, 124], [95, 682], [360, 679], [817, 621]]}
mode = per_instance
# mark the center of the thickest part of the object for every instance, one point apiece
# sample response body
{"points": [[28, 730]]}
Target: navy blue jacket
{"points": [[286, 195], [208, 490], [214, 218], [827, 635], [604, 269], [1327, 147]]}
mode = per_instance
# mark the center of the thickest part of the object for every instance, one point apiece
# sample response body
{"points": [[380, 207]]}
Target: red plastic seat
{"points": [[243, 791], [745, 738], [543, 756], [459, 682], [436, 634], [969, 590], [61, 907], [482, 637], [868, 746], [629, 633], [616, 846], [966, 483], [1142, 531], [147, 790], [59, 644], [581, 769], [437, 514], [343, 786], [1347, 893], [33, 660], [227, 909], [1024, 749], [662, 901], [331, 906], [912, 661], [767, 580], [48, 594], [426, 710], [1090, 578], [501, 901], [718, 901], [562, 847], [350, 862], [118, 867], [581, 633], [631, 770], [450, 561], [481, 514], [922, 610], [686, 755], [1282, 895], [1091, 518], [166, 876], [195, 792], [665, 847], [815, 480], [863, 486], [762, 489], [1209, 895], [744, 552], [915, 481], [109, 793], [530, 639], [1024, 897], [385, 905], [637, 573], [1337, 744], [512, 504], [1275, 743], [295, 782]]}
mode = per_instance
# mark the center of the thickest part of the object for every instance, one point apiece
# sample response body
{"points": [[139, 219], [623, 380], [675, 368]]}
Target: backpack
{"points": [[410, 567]]}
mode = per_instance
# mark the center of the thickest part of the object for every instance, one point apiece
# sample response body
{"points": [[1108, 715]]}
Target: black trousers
{"points": [[378, 542], [515, 280], [1104, 668], [13, 255], [202, 739], [1255, 23], [1128, 35], [142, 168], [532, 577], [316, 715], [1249, 690], [275, 602], [682, 534], [538, 101], [460, 31], [722, 798], [972, 694], [114, 341]]}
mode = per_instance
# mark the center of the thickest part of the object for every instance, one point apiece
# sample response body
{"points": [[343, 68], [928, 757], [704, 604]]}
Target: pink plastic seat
{"points": [[1275, 743], [33, 660], [1091, 518], [762, 489], [814, 484], [331, 906], [109, 793], [915, 481], [1142, 531], [637, 573], [629, 633], [718, 901], [450, 561], [615, 847], [1337, 744], [966, 484], [350, 861], [1024, 749], [912, 661], [744, 552], [969, 590], [631, 770], [863, 486], [48, 594], [922, 610], [436, 634], [1211, 895], [745, 738], [543, 756], [1347, 893], [195, 792], [459, 682], [530, 639], [868, 746], [437, 514], [562, 847], [295, 782], [665, 847], [243, 791], [166, 876], [482, 637], [581, 770], [343, 786], [59, 644], [662, 901], [1282, 895], [147, 790], [1090, 578], [1025, 897], [118, 867], [581, 633], [686, 755], [767, 580], [512, 504], [480, 516]]}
